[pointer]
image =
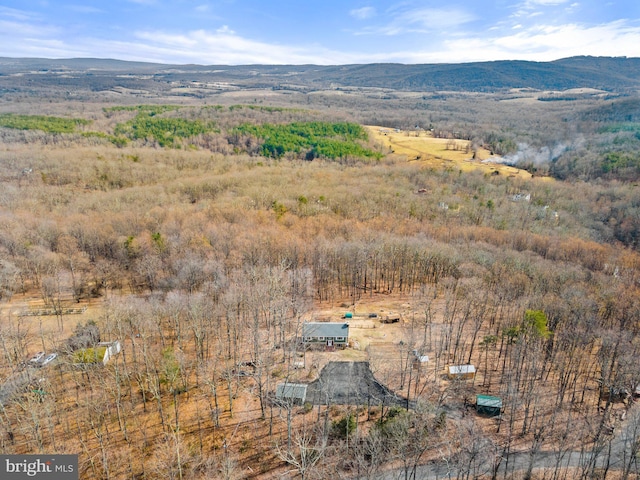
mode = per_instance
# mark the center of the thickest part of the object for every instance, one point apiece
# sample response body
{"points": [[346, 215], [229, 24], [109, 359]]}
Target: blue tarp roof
{"points": [[291, 391]]}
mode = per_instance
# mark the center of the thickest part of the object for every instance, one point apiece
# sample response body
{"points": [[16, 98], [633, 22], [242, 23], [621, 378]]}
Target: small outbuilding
{"points": [[419, 360], [330, 334], [391, 318], [103, 352], [487, 405], [291, 393], [465, 372]]}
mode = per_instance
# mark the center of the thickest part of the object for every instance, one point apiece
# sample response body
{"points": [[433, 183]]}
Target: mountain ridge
{"points": [[614, 74]]}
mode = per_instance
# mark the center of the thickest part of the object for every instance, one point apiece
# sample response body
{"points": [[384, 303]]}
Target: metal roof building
{"points": [[488, 405], [462, 371], [291, 392]]}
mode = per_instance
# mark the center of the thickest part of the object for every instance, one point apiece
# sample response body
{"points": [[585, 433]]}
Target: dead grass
{"points": [[437, 152]]}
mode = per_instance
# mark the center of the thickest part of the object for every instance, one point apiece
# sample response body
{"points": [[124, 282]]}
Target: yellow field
{"points": [[439, 152]]}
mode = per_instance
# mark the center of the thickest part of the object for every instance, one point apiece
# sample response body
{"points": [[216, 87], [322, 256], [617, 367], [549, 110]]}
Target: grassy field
{"points": [[440, 152]]}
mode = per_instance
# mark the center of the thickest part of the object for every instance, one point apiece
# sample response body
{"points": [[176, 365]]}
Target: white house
{"points": [[329, 334]]}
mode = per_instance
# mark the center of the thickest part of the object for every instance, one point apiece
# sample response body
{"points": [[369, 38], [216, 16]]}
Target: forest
{"points": [[202, 231]]}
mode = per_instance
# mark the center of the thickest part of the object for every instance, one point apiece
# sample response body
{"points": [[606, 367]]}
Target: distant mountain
{"points": [[611, 74], [614, 74]]}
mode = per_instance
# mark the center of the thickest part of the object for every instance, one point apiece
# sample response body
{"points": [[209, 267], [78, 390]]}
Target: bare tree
{"points": [[306, 449]]}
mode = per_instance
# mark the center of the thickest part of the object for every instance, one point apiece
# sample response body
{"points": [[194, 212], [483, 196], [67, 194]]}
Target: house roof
{"points": [[324, 329], [488, 401], [291, 391], [461, 369]]}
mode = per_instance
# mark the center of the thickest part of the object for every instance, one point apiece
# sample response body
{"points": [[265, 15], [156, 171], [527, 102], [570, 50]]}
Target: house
{"points": [[487, 405], [291, 393], [328, 334], [101, 353], [464, 372]]}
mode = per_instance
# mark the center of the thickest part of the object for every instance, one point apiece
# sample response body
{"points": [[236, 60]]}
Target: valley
{"points": [[202, 218]]}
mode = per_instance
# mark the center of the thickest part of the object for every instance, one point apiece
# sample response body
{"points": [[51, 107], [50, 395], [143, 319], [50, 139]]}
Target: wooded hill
{"points": [[619, 74]]}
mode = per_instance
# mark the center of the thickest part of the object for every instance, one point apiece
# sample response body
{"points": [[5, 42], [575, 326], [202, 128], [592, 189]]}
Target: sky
{"points": [[326, 32]]}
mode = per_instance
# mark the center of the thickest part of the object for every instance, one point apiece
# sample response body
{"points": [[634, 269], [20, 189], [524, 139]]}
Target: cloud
{"points": [[16, 32], [28, 37], [225, 47], [15, 14], [84, 9], [225, 30], [535, 8], [575, 39], [448, 39], [363, 13], [24, 33], [433, 18], [545, 3], [537, 43], [421, 20], [36, 43]]}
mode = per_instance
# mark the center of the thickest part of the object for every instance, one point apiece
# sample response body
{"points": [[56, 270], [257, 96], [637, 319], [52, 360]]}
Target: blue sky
{"points": [[324, 32]]}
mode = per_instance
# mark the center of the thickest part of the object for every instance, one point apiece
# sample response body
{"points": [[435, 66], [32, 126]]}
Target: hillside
{"points": [[203, 265], [198, 216], [609, 74]]}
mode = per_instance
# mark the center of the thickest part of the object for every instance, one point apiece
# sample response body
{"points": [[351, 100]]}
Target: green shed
{"points": [[348, 315], [487, 405]]}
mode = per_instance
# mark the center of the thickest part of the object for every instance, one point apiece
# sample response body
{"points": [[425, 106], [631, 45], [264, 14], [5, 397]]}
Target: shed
{"points": [[466, 372], [487, 405], [329, 334], [419, 359], [391, 318], [291, 393]]}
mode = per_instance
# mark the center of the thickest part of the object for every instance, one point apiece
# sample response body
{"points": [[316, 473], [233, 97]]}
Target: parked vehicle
{"points": [[50, 358], [36, 358]]}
